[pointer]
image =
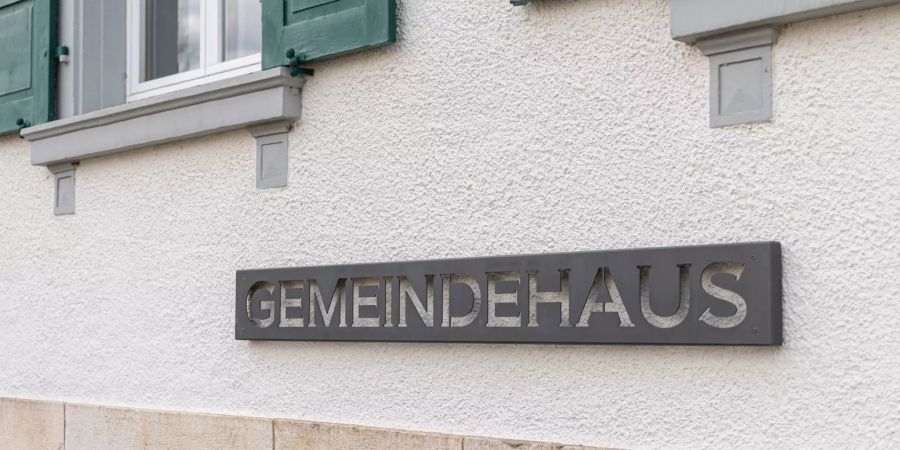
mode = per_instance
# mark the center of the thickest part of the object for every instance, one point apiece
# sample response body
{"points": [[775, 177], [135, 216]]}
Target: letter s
{"points": [[731, 268]]}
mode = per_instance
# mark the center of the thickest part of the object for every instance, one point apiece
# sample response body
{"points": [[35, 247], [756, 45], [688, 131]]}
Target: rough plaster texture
{"points": [[490, 129]]}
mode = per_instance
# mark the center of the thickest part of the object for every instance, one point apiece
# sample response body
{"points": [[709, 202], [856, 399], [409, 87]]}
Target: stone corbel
{"points": [[740, 76], [272, 153]]}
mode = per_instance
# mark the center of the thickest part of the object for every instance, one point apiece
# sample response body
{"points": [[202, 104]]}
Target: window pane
{"points": [[171, 37], [241, 23]]}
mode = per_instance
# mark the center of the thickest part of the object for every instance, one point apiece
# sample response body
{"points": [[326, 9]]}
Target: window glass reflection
{"points": [[172, 33], [241, 26]]}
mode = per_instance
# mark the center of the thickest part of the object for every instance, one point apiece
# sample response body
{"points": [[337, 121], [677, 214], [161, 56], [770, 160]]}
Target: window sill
{"points": [[698, 19], [258, 98]]}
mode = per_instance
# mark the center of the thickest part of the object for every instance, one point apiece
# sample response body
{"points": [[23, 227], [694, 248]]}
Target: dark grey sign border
{"points": [[761, 284]]}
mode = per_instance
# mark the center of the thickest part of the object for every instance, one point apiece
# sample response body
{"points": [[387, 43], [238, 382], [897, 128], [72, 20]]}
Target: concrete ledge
{"points": [[267, 96], [32, 424], [475, 443], [695, 19], [297, 435], [100, 427], [27, 424]]}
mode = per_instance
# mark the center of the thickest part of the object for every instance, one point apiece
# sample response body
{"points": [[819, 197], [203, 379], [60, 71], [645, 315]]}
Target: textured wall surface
{"points": [[487, 129]]}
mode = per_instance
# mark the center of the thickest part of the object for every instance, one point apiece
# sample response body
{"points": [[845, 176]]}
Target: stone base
{"points": [[39, 425]]}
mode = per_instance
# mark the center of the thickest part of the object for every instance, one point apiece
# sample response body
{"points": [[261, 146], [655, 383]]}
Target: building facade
{"points": [[449, 129]]}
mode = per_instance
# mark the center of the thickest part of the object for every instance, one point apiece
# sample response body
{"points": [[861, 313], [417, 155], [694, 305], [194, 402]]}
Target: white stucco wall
{"points": [[488, 130]]}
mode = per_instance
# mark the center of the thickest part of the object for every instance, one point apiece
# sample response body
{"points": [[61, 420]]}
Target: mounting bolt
{"points": [[297, 71], [294, 61], [62, 52]]}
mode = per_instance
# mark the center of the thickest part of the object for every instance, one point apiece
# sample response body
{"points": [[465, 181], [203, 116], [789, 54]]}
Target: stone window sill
{"points": [[698, 19], [270, 96]]}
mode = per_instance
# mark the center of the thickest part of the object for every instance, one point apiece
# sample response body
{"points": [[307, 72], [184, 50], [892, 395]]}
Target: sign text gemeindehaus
{"points": [[717, 294]]}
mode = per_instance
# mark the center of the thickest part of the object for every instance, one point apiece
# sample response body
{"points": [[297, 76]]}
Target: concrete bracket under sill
{"points": [[248, 101], [64, 188], [740, 76]]}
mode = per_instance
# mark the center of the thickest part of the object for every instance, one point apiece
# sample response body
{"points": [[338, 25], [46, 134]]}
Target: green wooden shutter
{"points": [[317, 29], [27, 62]]}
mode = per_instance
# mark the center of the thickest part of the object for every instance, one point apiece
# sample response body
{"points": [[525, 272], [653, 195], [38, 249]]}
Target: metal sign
{"points": [[718, 294]]}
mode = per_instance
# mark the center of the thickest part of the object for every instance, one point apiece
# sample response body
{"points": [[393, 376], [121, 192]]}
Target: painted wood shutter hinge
{"points": [[22, 123], [295, 61], [62, 54]]}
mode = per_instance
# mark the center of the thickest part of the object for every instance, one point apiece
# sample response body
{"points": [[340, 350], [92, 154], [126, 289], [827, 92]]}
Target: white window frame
{"points": [[210, 50]]}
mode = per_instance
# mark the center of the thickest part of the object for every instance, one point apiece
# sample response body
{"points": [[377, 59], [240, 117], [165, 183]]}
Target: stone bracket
{"points": [[740, 76], [63, 188], [272, 153]]}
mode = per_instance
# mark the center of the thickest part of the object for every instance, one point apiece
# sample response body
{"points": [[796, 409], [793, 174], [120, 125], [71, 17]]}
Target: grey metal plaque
{"points": [[712, 295]]}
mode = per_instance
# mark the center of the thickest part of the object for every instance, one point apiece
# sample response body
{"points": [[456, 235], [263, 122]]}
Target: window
{"points": [[180, 43]]}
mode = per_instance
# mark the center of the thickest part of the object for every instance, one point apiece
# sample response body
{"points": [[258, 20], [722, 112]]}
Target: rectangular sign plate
{"points": [[717, 294]]}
